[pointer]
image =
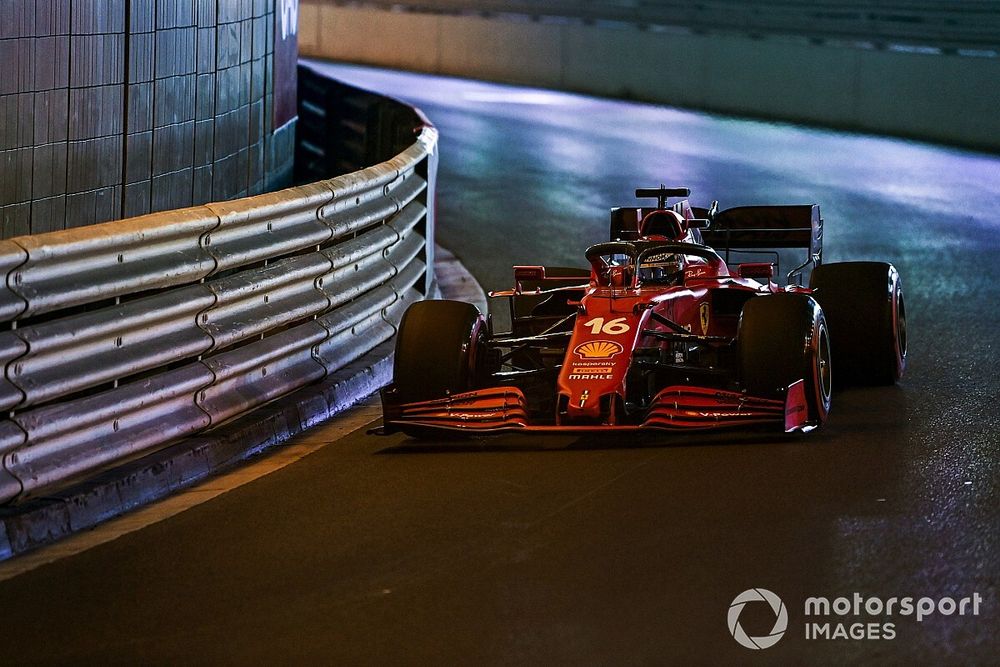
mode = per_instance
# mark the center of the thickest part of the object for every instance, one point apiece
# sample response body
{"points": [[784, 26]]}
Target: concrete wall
{"points": [[946, 98], [114, 108]]}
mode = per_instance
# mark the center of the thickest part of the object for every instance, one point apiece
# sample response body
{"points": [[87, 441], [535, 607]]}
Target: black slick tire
{"points": [[437, 350], [783, 338], [866, 313]]}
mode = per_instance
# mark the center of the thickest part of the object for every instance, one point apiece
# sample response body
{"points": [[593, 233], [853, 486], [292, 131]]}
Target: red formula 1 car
{"points": [[660, 333]]}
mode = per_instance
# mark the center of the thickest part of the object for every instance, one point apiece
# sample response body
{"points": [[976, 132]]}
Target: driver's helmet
{"points": [[662, 269]]}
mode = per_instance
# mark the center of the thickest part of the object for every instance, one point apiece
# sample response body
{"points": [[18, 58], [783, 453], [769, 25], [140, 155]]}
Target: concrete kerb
{"points": [[151, 478]]}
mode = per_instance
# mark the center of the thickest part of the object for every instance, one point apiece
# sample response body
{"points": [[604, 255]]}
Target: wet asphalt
{"points": [[611, 550]]}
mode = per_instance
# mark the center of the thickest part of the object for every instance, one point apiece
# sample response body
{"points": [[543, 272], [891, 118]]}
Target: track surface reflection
{"points": [[611, 551]]}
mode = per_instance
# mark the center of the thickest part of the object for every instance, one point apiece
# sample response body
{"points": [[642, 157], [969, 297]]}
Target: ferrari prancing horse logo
{"points": [[703, 311]]}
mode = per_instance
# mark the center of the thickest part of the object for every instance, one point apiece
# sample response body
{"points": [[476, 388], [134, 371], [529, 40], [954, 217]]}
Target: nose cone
{"points": [[592, 369], [581, 409], [598, 357]]}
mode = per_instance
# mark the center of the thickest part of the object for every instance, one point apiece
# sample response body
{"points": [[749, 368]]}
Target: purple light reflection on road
{"points": [[940, 180]]}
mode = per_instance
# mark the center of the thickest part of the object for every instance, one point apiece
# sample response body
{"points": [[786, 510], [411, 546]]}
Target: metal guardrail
{"points": [[122, 337], [963, 26]]}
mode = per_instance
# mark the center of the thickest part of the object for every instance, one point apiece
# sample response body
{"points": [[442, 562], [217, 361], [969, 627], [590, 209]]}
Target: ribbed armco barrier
{"points": [[125, 336]]}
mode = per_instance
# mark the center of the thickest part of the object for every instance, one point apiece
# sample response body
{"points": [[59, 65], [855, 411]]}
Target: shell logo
{"points": [[598, 349]]}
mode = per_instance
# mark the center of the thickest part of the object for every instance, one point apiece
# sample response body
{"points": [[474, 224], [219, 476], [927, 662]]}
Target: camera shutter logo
{"points": [[780, 622]]}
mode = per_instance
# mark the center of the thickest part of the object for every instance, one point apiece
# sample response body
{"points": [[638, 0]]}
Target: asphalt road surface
{"points": [[617, 550]]}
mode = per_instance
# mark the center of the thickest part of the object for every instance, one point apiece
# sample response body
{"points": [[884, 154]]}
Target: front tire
{"points": [[784, 338], [438, 350], [864, 306]]}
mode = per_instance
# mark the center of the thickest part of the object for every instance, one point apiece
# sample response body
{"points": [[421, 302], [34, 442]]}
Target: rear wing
{"points": [[765, 228], [749, 228]]}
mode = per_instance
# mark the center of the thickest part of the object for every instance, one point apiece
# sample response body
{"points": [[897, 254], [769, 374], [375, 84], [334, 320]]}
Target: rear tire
{"points": [[864, 307], [438, 350], [783, 338]]}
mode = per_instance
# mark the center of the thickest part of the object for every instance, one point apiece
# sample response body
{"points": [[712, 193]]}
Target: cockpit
{"points": [[662, 268], [629, 264]]}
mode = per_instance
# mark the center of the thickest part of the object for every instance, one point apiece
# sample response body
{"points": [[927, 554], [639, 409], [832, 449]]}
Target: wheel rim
{"points": [[901, 326], [824, 371]]}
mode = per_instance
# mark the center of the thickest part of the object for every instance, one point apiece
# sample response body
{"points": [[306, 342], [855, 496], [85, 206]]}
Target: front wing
{"points": [[676, 408]]}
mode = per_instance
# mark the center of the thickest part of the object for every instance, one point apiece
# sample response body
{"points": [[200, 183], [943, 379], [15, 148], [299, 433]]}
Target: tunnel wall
{"points": [[116, 108], [120, 338], [940, 97]]}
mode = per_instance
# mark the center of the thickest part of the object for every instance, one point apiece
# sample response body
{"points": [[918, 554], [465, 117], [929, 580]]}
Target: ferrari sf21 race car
{"points": [[660, 332]]}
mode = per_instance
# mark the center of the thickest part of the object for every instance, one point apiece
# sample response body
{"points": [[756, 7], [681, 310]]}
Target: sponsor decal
{"points": [[584, 396], [598, 349], [704, 311], [289, 17], [591, 370], [698, 272], [286, 52]]}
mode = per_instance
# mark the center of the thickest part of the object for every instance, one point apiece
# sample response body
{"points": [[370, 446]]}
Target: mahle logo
{"points": [[780, 621]]}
